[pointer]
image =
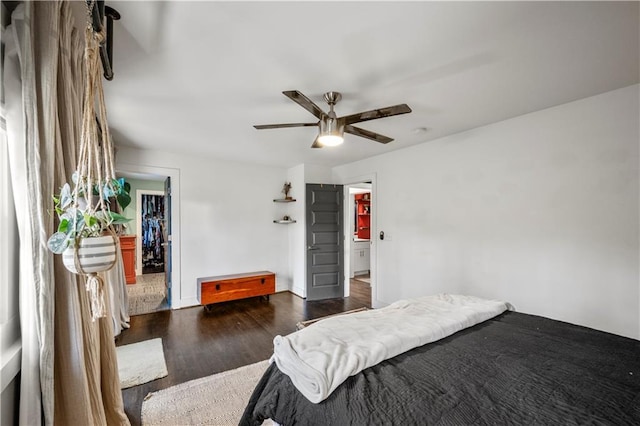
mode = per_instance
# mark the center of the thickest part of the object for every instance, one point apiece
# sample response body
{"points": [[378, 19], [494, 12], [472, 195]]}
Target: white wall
{"points": [[226, 217], [314, 173], [539, 210], [297, 235]]}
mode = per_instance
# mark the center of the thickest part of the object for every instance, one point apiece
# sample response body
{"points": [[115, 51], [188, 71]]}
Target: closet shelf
{"points": [[284, 221]]}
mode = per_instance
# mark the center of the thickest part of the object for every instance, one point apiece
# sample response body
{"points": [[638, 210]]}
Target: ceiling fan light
{"points": [[331, 132], [330, 140]]}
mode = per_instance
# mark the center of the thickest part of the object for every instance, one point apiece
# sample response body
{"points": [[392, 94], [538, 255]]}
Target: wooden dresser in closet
{"points": [[128, 249]]}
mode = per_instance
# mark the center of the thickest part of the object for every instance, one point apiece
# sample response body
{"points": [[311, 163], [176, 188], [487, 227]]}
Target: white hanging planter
{"points": [[95, 254]]}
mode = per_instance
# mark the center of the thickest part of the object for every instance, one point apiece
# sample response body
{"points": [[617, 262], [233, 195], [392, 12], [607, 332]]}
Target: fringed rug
{"points": [[148, 294], [303, 324], [141, 362], [214, 400]]}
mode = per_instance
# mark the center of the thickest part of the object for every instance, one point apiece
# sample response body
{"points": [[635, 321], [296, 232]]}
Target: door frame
{"points": [[373, 244], [146, 172], [352, 217], [139, 194]]}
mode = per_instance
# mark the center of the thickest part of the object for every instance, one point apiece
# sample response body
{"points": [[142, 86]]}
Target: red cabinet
{"points": [[363, 212]]}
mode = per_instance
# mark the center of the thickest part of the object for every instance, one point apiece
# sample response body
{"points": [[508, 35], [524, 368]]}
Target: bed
{"points": [[511, 369]]}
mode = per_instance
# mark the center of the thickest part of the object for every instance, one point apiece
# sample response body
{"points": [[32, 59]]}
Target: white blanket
{"points": [[320, 357]]}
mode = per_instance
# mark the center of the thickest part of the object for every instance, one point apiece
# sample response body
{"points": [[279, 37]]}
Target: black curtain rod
{"points": [[98, 14]]}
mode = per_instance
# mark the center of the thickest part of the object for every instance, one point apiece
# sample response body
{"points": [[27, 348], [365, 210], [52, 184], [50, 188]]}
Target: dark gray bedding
{"points": [[513, 369]]}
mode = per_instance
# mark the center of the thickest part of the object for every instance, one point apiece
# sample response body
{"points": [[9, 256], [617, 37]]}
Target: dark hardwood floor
{"points": [[359, 289], [198, 343]]}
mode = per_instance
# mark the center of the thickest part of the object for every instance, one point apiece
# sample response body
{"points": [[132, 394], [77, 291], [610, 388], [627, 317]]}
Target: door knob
{"points": [[313, 248]]}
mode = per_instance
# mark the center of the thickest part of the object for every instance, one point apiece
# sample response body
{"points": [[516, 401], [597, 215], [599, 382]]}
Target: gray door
{"points": [[325, 242], [167, 237]]}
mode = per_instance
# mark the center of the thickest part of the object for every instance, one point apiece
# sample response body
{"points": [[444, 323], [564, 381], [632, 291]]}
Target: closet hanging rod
{"points": [[98, 13]]}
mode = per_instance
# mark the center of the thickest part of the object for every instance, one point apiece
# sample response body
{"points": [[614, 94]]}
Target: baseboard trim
{"points": [[184, 303], [298, 292]]}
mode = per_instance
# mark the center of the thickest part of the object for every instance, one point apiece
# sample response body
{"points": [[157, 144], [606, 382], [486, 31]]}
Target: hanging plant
{"points": [[78, 222], [86, 235]]}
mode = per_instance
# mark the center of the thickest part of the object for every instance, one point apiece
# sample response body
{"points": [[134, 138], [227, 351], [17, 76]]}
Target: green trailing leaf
{"points": [[72, 213], [64, 226], [90, 220], [123, 199], [122, 189], [118, 219], [65, 196], [58, 242]]}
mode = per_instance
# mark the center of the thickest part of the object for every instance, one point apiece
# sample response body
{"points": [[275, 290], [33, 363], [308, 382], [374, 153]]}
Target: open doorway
{"points": [[148, 290], [358, 232], [173, 267]]}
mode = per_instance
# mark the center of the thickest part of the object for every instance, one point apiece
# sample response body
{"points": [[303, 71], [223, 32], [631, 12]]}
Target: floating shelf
{"points": [[284, 222], [284, 200]]}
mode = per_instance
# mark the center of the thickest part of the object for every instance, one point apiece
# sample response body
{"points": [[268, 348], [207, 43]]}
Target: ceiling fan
{"points": [[332, 127]]}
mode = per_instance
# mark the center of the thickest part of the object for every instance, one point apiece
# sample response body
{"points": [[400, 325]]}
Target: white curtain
{"points": [[118, 295], [36, 318], [69, 367]]}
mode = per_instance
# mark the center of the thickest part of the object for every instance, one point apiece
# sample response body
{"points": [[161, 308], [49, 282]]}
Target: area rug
{"points": [[214, 400], [141, 362], [147, 295], [303, 324]]}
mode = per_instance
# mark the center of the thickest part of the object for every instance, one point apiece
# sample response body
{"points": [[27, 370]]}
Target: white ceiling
{"points": [[194, 77]]}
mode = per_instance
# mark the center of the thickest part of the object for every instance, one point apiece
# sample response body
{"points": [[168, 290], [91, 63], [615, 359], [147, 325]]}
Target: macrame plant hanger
{"points": [[95, 167]]}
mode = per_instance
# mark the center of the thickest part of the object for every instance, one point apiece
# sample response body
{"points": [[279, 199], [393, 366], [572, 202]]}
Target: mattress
{"points": [[512, 369]]}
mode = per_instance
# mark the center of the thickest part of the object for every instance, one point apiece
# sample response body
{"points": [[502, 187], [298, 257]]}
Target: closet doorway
{"points": [[160, 179], [358, 247], [150, 291]]}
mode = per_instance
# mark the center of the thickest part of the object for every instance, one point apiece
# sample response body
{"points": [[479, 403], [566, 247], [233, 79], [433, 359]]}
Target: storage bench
{"points": [[224, 288]]}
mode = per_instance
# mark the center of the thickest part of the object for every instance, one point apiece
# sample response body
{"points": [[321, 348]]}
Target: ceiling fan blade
{"points": [[304, 102], [366, 134], [316, 144], [279, 126], [374, 114]]}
